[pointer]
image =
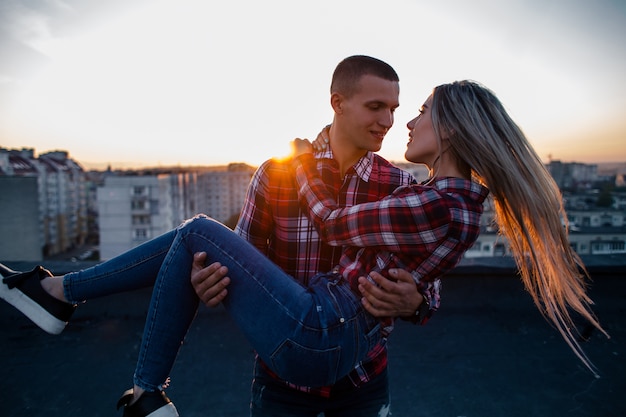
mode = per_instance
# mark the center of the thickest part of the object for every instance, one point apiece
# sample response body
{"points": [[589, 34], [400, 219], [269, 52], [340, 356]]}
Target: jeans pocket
{"points": [[373, 336], [306, 366]]}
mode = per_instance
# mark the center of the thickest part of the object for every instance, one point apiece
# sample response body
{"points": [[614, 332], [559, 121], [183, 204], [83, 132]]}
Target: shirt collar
{"points": [[362, 168]]}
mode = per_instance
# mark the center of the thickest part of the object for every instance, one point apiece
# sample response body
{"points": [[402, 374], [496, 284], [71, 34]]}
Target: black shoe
{"points": [[150, 404], [24, 291]]}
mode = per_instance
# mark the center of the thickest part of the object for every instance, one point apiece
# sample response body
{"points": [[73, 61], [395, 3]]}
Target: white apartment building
{"points": [[221, 193], [129, 213], [64, 203], [135, 208]]}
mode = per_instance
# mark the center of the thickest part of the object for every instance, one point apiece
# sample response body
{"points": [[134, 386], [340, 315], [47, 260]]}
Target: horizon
{"points": [[99, 166], [129, 166], [147, 165], [93, 166]]}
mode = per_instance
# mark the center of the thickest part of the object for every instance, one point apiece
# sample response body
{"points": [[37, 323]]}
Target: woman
{"points": [[315, 335]]}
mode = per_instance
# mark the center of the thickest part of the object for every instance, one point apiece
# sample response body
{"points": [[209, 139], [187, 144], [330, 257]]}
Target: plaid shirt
{"points": [[273, 220], [421, 228]]}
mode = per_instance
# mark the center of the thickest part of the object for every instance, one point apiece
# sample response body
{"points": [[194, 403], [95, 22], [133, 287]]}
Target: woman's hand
{"points": [[301, 146], [322, 140]]}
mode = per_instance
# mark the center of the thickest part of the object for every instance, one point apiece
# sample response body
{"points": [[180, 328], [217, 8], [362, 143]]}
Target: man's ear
{"points": [[336, 101]]}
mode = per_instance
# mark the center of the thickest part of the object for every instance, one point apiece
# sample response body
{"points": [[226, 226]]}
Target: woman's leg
{"points": [[283, 321], [49, 301], [172, 309], [134, 269]]}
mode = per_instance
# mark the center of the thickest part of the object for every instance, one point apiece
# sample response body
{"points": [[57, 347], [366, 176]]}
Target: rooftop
{"points": [[486, 353]]}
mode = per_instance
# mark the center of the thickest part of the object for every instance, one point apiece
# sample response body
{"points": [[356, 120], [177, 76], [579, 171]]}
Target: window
{"points": [[499, 249], [608, 246], [139, 190], [139, 204], [140, 234], [140, 219]]}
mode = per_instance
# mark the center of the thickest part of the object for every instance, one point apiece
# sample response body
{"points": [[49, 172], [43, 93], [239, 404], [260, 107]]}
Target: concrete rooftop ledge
{"points": [[501, 265]]}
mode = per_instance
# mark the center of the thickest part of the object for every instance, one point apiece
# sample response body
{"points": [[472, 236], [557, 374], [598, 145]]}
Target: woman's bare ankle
{"points": [[137, 393], [54, 287]]}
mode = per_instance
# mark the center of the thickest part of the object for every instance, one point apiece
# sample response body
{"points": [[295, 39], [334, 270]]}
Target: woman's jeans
{"points": [[309, 336]]}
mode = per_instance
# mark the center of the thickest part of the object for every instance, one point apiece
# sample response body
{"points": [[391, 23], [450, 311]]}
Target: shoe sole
{"points": [[37, 314]]}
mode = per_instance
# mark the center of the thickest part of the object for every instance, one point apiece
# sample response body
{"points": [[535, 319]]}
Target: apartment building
{"points": [[573, 174], [45, 194], [136, 207], [593, 231], [64, 208]]}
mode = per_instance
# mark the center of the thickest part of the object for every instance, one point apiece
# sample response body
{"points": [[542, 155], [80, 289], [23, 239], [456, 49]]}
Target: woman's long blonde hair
{"points": [[529, 209]]}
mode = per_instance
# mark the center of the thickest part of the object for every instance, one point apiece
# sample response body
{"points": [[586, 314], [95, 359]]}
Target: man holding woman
{"points": [[315, 335], [364, 94]]}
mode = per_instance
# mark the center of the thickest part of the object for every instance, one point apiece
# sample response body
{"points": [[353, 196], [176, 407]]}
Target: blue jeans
{"points": [[271, 398], [309, 336]]}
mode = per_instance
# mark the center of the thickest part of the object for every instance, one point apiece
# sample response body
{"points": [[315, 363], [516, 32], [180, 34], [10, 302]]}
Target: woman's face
{"points": [[423, 147]]}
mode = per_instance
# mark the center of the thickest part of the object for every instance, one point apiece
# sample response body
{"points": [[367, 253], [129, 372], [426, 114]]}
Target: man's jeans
{"points": [[309, 336], [271, 398]]}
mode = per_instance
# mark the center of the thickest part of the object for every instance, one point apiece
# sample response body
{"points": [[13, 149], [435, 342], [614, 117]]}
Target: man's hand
{"points": [[209, 282], [390, 299]]}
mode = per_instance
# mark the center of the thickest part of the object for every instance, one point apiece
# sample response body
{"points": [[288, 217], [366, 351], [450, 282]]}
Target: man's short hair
{"points": [[348, 73]]}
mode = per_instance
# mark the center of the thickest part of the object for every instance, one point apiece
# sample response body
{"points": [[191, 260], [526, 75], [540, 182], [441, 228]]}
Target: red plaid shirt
{"points": [[273, 220], [422, 228]]}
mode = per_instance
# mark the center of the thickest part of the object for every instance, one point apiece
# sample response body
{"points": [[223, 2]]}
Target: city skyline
{"points": [[138, 83], [617, 167]]}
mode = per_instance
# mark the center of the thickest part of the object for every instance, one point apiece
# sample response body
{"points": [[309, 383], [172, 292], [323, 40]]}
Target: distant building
{"points": [[419, 171], [138, 206], [573, 175], [599, 240], [50, 205], [596, 218], [20, 227], [128, 213], [61, 215], [593, 231], [65, 203], [585, 241]]}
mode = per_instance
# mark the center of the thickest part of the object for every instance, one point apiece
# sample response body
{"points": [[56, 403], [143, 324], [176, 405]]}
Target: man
{"points": [[364, 96]]}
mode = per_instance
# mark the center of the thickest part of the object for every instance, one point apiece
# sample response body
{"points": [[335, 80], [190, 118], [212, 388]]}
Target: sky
{"points": [[135, 83]]}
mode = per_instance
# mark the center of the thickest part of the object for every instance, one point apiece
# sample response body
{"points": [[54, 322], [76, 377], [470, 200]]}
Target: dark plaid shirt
{"points": [[273, 220], [422, 228]]}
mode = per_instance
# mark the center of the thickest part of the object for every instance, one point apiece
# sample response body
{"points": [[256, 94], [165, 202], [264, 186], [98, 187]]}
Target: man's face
{"points": [[367, 115]]}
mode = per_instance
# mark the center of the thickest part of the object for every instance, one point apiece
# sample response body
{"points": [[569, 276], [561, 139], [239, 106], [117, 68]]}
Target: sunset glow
{"points": [[142, 83]]}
